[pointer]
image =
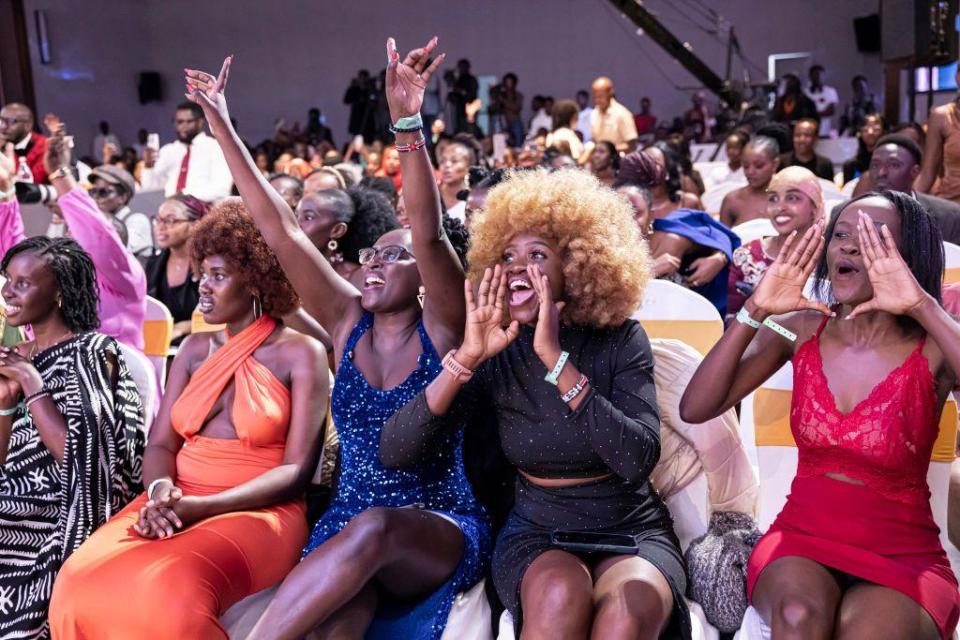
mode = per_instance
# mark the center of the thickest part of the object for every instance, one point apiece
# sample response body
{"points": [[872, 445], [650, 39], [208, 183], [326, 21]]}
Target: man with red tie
{"points": [[193, 164], [16, 125]]}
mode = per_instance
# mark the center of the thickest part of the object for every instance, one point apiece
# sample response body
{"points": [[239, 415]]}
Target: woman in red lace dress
{"points": [[855, 551]]}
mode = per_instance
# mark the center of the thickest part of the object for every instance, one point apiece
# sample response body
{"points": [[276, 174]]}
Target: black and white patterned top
{"points": [[48, 509]]}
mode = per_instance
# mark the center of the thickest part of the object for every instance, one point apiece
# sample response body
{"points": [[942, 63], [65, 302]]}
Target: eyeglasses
{"points": [[390, 253], [168, 222], [101, 192], [11, 121]]}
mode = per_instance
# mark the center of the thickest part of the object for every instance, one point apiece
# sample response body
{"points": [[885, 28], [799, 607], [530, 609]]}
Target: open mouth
{"points": [[372, 281], [846, 270], [782, 220], [521, 291], [205, 305], [13, 309]]}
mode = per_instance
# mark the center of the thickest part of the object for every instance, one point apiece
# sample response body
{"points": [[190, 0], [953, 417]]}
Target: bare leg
{"points": [[633, 599], [870, 611], [556, 595], [350, 622], [422, 547], [798, 598]]}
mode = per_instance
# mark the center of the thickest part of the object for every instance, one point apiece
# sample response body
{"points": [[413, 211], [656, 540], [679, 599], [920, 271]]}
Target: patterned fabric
{"points": [[48, 509], [749, 264], [884, 442], [438, 484]]}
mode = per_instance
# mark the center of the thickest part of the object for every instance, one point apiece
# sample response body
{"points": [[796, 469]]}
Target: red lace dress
{"points": [[883, 530]]}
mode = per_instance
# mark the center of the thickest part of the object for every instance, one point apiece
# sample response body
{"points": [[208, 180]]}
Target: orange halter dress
{"points": [[119, 585]]}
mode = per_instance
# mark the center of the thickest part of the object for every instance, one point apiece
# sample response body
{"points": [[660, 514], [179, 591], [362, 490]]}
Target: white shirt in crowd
{"points": [[208, 176], [541, 120], [99, 140], [139, 231], [583, 123], [823, 98]]}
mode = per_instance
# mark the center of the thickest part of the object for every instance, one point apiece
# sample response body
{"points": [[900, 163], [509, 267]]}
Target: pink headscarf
{"points": [[804, 181]]}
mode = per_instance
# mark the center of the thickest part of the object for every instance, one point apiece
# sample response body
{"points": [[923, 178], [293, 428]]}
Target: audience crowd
{"points": [[412, 369]]}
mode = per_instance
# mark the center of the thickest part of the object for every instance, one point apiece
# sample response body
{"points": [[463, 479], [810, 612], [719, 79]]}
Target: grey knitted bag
{"points": [[717, 568]]}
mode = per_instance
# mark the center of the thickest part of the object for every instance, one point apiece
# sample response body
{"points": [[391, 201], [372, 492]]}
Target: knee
{"points": [[370, 530], [557, 596], [624, 615], [798, 613]]}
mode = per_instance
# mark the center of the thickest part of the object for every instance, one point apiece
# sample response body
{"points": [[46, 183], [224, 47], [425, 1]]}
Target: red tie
{"points": [[182, 178]]}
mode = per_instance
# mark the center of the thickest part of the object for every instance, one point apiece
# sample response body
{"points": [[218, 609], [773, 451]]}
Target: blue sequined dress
{"points": [[439, 484]]}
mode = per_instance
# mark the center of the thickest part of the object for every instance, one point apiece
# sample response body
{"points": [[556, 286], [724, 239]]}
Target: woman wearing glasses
{"points": [[399, 543], [170, 278]]}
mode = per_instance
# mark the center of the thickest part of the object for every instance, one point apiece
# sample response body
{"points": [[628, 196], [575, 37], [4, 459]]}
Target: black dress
{"points": [[182, 299], [615, 429]]}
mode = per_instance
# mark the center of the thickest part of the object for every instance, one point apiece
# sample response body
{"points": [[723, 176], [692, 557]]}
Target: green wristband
{"points": [[554, 376], [408, 124], [782, 330]]}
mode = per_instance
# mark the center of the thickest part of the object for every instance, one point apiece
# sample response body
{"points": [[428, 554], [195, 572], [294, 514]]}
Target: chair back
{"points": [[754, 230], [671, 311], [951, 255], [199, 325], [157, 335]]}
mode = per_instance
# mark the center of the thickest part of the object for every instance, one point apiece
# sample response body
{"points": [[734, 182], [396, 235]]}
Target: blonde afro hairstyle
{"points": [[606, 264]]}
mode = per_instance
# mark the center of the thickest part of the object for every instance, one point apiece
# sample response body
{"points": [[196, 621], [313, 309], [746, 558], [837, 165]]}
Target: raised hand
{"points": [[781, 289], [485, 336], [407, 80], [58, 151], [208, 92], [895, 289], [546, 338]]}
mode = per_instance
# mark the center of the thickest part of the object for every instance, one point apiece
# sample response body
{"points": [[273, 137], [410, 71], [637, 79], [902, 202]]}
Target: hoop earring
{"points": [[336, 257], [421, 295], [257, 308], [59, 302]]}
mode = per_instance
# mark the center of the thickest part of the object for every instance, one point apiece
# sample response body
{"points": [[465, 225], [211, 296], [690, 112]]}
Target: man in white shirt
{"points": [[194, 164], [610, 120], [101, 139], [583, 119], [825, 97]]}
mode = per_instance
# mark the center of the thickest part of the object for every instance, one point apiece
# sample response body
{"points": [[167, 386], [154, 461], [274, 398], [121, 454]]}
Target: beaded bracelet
{"points": [[33, 397], [413, 146], [576, 389]]}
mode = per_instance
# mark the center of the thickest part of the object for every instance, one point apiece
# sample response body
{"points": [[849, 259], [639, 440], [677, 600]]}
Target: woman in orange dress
{"points": [[233, 447], [941, 154]]}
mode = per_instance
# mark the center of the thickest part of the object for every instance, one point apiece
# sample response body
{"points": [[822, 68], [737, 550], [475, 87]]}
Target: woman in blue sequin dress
{"points": [[395, 547]]}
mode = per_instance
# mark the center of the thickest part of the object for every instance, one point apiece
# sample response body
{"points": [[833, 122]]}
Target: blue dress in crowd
{"points": [[439, 484]]}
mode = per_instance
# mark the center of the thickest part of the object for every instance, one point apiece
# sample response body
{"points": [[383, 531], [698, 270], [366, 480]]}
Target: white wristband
{"points": [[154, 484]]}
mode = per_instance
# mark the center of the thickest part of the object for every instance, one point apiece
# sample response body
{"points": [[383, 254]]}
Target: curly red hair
{"points": [[228, 231]]}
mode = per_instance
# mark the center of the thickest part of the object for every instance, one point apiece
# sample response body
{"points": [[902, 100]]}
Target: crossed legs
{"points": [[407, 553]]}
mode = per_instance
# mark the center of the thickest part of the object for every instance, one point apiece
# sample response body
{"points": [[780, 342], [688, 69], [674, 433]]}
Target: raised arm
{"points": [[326, 296], [932, 153], [117, 270], [745, 357], [11, 224], [439, 266]]}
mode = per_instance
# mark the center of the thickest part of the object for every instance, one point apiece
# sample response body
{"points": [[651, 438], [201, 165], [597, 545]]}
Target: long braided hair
{"points": [[76, 278]]}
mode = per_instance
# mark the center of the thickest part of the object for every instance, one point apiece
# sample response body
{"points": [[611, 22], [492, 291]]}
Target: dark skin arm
{"points": [[325, 294], [933, 150], [46, 417], [440, 268], [745, 357], [728, 214], [309, 389]]}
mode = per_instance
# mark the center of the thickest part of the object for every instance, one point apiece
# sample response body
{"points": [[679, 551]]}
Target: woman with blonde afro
{"points": [[549, 350]]}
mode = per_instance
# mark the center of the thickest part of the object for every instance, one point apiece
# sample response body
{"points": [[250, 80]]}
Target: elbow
{"points": [[645, 465], [692, 411]]}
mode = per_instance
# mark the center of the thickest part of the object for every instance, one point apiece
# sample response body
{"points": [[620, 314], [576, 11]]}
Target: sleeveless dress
{"points": [[439, 484], [883, 530], [177, 587]]}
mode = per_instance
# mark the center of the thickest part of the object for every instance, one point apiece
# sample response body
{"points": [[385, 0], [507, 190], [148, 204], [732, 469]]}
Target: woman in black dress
{"points": [[570, 383]]}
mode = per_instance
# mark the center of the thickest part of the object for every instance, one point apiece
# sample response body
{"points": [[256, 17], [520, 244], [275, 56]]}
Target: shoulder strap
{"points": [[358, 330]]}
